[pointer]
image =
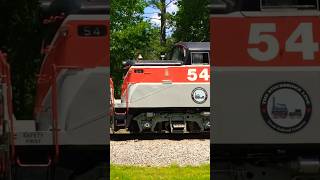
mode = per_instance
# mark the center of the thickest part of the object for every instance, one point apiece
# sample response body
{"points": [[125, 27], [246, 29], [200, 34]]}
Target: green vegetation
{"points": [[173, 172], [192, 24]]}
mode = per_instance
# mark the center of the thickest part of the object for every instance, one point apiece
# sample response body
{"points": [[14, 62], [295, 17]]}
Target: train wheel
{"points": [[134, 127]]}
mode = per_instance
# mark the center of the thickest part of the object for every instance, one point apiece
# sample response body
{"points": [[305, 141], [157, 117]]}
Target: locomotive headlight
{"points": [[64, 31]]}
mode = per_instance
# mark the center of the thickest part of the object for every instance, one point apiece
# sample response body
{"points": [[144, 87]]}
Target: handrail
{"points": [[7, 80], [112, 99], [34, 165], [10, 112], [127, 103], [2, 165], [2, 111], [54, 104]]}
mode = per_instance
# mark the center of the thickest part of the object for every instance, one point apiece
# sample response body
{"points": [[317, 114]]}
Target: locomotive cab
{"points": [[195, 53]]}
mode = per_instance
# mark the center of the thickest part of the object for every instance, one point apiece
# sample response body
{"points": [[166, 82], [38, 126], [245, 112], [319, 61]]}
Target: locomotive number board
{"points": [[92, 30]]}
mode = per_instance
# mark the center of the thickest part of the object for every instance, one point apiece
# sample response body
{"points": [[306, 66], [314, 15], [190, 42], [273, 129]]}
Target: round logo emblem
{"points": [[286, 107], [199, 95]]}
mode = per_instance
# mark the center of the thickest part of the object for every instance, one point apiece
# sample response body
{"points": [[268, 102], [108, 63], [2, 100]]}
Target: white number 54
{"points": [[193, 75], [260, 32]]}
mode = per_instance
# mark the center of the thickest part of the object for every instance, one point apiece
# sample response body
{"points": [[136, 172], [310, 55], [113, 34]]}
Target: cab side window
{"points": [[200, 58], [177, 54]]}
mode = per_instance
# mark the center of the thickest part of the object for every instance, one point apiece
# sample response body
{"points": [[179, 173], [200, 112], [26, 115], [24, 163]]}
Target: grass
{"points": [[173, 172]]}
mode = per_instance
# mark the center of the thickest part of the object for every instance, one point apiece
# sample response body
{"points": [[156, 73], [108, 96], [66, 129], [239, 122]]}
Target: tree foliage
{"points": [[192, 21]]}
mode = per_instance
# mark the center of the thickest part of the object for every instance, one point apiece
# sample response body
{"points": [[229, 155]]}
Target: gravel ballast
{"points": [[160, 152]]}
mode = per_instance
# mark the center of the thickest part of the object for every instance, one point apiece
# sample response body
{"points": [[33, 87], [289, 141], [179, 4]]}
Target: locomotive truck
{"points": [[166, 96], [69, 135], [266, 54]]}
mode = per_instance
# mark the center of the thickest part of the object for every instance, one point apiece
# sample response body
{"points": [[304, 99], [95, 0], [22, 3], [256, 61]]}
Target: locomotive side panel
{"points": [[182, 86], [161, 95]]}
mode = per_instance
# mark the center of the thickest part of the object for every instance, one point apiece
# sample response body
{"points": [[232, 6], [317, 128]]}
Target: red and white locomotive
{"points": [[167, 95], [265, 95]]}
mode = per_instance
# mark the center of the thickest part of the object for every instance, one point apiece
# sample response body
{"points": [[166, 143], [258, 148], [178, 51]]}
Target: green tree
{"points": [[192, 21]]}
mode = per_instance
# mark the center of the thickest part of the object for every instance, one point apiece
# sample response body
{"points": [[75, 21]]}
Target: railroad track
{"points": [[154, 136]]}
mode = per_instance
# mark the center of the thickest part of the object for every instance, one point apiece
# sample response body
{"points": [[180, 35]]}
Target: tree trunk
{"points": [[163, 22]]}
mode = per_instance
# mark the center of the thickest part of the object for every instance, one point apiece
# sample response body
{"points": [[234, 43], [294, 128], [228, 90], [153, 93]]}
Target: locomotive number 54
{"points": [[194, 75], [301, 40]]}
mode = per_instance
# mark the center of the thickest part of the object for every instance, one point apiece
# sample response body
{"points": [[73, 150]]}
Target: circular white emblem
{"points": [[199, 95], [286, 107]]}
